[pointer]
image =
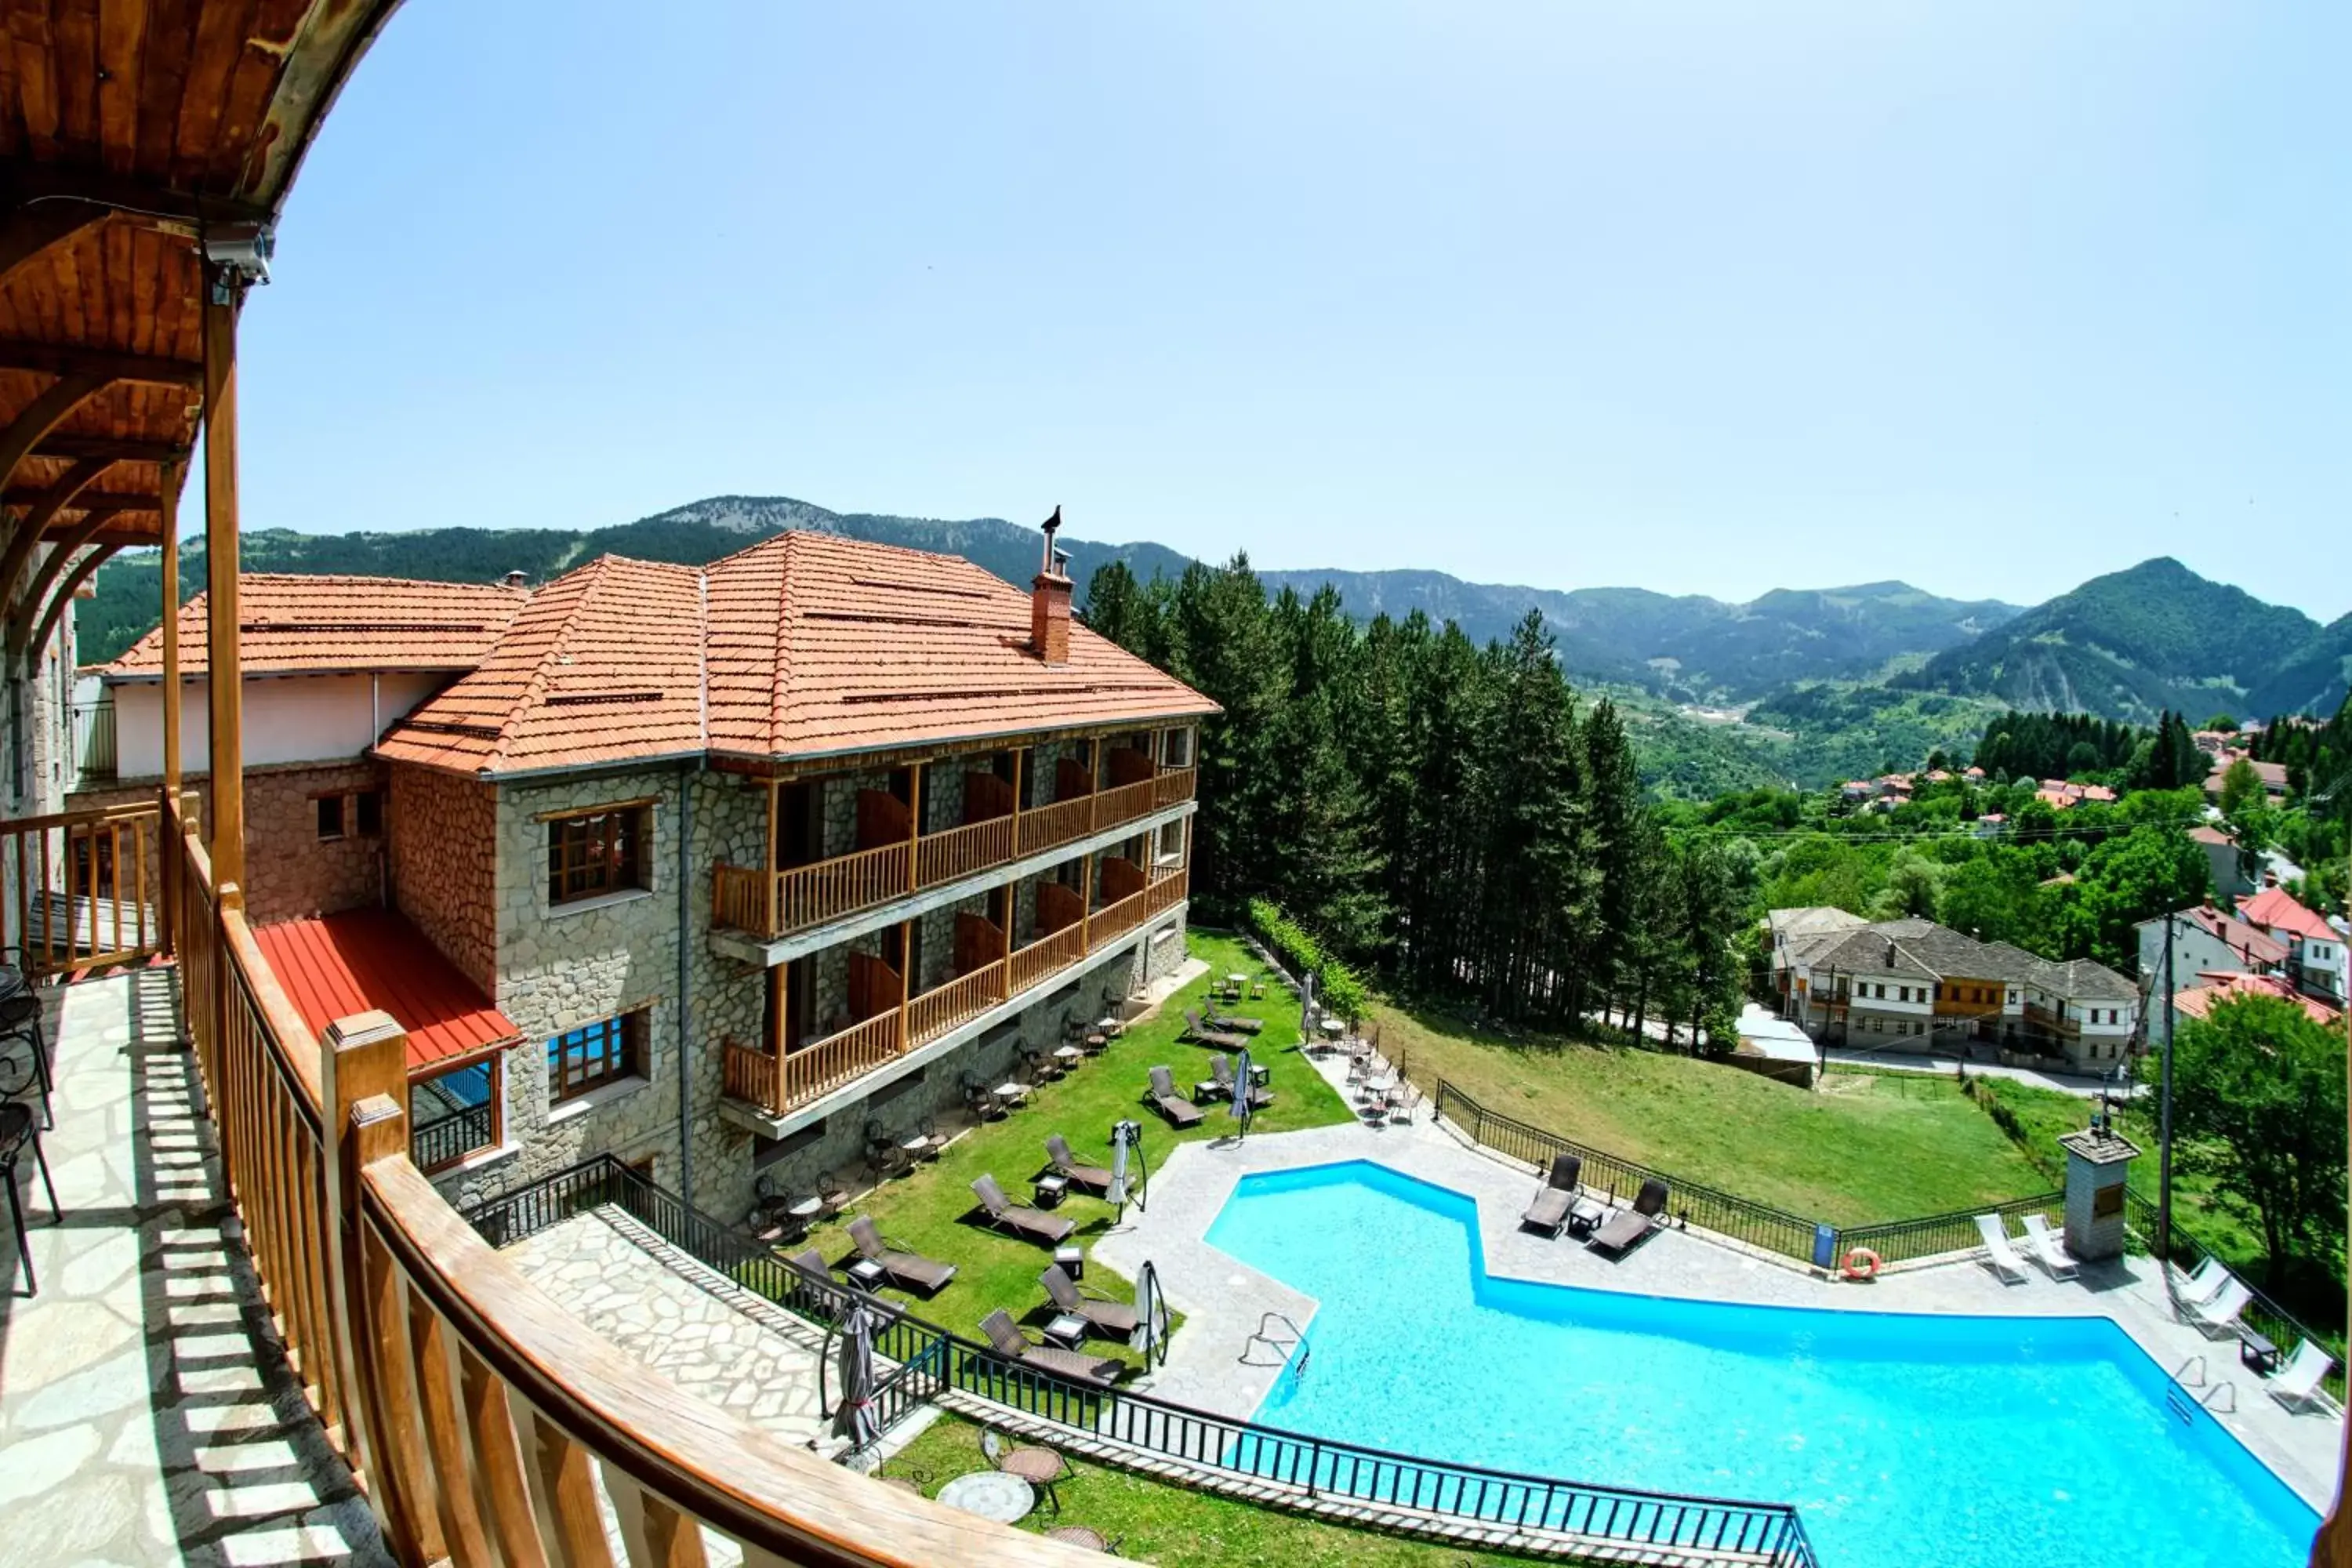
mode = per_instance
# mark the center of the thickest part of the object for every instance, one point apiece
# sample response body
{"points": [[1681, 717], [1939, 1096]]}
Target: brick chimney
{"points": [[1049, 602]]}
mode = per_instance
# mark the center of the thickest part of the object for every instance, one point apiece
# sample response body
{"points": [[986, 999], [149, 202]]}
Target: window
{"points": [[600, 852], [352, 813], [594, 1055], [1176, 749], [454, 1114]]}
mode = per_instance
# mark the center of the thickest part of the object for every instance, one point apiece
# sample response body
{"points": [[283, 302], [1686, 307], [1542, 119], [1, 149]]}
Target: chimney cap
{"points": [[514, 579]]}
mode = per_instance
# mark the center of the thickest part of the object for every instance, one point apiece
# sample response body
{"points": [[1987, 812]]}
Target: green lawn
{"points": [[930, 1210], [1869, 1147], [1175, 1526]]}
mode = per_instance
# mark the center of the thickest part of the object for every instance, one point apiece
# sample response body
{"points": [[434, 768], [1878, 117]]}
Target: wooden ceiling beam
{"points": [[66, 592], [55, 497], [117, 500], [28, 232], [109, 449], [34, 186], [25, 608], [43, 414], [72, 359]]}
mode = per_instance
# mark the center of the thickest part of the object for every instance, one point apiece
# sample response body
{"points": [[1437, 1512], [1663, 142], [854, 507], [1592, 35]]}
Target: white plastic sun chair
{"points": [[2219, 1316], [2296, 1385], [1998, 1252], [2048, 1247], [2199, 1287]]}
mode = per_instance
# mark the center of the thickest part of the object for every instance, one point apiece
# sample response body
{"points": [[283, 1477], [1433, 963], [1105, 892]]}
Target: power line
{"points": [[2031, 835]]}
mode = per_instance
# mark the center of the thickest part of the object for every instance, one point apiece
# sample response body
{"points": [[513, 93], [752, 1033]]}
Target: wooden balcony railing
{"points": [[809, 896], [938, 1011], [1045, 957], [85, 889], [813, 1071], [482, 1412], [961, 851]]}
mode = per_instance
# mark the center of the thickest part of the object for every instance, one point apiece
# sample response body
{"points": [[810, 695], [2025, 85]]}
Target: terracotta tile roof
{"points": [[804, 645], [2213, 835], [288, 622], [605, 665], [2274, 910], [2199, 1001], [334, 966]]}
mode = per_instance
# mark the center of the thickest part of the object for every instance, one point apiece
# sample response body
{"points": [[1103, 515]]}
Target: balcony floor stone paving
{"points": [[147, 1414]]}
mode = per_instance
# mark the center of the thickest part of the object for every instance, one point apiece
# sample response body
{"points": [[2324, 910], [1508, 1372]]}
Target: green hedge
{"points": [[1338, 987]]}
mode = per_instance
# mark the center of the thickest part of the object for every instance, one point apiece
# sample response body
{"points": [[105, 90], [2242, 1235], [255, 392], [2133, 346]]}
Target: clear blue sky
{"points": [[1990, 297]]}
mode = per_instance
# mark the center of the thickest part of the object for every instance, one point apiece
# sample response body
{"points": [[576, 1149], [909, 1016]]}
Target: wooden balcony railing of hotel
{"points": [[86, 887], [806, 1075], [479, 1414], [746, 899]]}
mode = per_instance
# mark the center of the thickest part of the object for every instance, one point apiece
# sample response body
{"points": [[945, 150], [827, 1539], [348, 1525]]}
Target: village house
{"points": [[719, 869], [1914, 986], [2314, 949]]}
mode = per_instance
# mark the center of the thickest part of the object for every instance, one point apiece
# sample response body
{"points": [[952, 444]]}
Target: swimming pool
{"points": [[1965, 1442]]}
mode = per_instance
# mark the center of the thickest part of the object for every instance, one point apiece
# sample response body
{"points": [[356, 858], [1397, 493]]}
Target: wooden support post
{"points": [[224, 676], [905, 976], [172, 473], [1086, 900], [914, 825], [1020, 793], [363, 1071], [768, 889], [779, 1021]]}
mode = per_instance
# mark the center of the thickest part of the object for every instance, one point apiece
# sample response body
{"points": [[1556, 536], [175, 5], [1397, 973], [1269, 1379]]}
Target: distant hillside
{"points": [[2314, 679], [1692, 647], [2127, 646]]}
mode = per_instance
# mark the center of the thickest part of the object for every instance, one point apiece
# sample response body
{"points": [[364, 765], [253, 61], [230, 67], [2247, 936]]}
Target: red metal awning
{"points": [[336, 965]]}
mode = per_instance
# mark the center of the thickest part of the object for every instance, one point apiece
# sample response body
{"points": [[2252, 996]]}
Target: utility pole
{"points": [[2164, 1115]]}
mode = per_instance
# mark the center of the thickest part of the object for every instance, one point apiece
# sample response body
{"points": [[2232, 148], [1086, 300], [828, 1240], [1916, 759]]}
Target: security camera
{"points": [[242, 250]]}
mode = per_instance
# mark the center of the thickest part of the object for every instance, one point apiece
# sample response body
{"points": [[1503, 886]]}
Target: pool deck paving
{"points": [[1232, 1346]]}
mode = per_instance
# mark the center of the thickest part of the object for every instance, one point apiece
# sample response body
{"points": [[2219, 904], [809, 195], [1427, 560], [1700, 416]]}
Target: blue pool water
{"points": [[1904, 1439]]}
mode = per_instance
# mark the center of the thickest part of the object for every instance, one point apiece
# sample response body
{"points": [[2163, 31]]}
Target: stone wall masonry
{"points": [[566, 965], [840, 806], [442, 850], [729, 999]]}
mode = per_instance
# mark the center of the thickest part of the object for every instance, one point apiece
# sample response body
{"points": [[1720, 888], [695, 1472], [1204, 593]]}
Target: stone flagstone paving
{"points": [[146, 1412]]}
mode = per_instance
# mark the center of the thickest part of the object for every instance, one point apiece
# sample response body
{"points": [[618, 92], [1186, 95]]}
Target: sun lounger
{"points": [[1162, 1097], [2199, 1287], [2296, 1385], [1234, 1026], [1624, 1230], [1015, 1346], [1220, 1071], [1113, 1320], [2219, 1316], [2048, 1247], [1998, 1252], [1019, 1219], [907, 1270], [1201, 1034], [1550, 1210], [1093, 1178]]}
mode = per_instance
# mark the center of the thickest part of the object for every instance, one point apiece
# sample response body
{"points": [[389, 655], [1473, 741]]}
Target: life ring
{"points": [[1862, 1263]]}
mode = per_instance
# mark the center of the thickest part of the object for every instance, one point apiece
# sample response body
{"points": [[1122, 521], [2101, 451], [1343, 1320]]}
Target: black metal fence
{"points": [[446, 1140], [1758, 1225], [931, 1360], [2261, 1314], [1897, 1241]]}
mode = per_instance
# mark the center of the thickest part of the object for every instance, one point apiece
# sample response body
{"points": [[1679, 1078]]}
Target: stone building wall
{"points": [[441, 843], [730, 997], [561, 966], [840, 806]]}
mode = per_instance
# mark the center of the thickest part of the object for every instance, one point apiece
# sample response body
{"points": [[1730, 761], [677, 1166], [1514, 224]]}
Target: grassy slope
{"points": [[1871, 1147], [1175, 1527], [929, 1211]]}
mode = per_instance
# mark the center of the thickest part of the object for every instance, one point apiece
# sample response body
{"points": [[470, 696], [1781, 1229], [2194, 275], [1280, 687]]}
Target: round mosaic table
{"points": [[991, 1494]]}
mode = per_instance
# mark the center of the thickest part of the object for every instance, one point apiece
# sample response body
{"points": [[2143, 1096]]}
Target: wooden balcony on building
{"points": [[778, 1086], [771, 905]]}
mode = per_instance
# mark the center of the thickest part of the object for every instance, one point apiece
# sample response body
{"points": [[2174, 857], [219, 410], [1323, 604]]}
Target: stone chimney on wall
{"points": [[1049, 602]]}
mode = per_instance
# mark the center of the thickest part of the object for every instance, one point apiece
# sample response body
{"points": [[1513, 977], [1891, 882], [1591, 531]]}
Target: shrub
{"points": [[1343, 991]]}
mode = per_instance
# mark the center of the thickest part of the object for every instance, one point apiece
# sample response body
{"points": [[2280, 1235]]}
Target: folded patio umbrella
{"points": [[854, 1418], [1116, 1197], [1240, 1108]]}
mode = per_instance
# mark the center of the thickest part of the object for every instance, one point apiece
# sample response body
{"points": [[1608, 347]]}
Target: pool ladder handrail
{"points": [[1295, 1354], [2191, 1374]]}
